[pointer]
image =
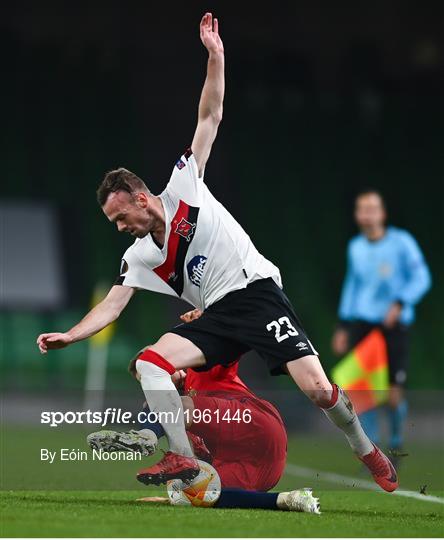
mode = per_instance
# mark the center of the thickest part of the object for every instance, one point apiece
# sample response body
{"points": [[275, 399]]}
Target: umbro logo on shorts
{"points": [[302, 346]]}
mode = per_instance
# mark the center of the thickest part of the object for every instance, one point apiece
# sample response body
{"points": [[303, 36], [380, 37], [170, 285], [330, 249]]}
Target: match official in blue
{"points": [[386, 277]]}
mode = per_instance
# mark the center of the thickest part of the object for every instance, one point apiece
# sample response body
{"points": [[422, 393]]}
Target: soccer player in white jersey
{"points": [[189, 246]]}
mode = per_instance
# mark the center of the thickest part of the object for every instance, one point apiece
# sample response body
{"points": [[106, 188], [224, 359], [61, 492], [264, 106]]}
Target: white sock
{"points": [[162, 396], [343, 415]]}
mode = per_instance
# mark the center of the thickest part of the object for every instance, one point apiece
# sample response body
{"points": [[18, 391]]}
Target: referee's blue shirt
{"points": [[382, 272]]}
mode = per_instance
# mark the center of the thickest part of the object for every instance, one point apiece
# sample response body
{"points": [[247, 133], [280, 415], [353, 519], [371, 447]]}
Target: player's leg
{"points": [[397, 412], [155, 365], [297, 501], [195, 344], [308, 374], [396, 409], [145, 439], [274, 331], [397, 340], [189, 345], [197, 443]]}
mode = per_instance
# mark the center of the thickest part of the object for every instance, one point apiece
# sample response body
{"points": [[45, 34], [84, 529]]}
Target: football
{"points": [[204, 490]]}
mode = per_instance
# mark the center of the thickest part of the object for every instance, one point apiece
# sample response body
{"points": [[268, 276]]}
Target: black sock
{"points": [[241, 498]]}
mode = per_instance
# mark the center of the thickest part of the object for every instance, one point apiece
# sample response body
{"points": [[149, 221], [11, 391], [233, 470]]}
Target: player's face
{"points": [[132, 215], [369, 212]]}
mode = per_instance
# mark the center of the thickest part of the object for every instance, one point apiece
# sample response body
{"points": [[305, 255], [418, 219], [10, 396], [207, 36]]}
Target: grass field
{"points": [[101, 501], [92, 513]]}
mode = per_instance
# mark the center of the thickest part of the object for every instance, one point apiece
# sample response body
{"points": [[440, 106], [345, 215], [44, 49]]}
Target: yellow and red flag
{"points": [[363, 372]]}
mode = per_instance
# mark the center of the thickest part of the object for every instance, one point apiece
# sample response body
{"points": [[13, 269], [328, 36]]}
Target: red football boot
{"points": [[381, 469], [200, 448], [170, 467]]}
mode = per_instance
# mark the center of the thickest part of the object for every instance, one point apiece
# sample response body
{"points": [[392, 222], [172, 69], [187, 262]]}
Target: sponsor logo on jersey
{"points": [[196, 268], [180, 164], [185, 229]]}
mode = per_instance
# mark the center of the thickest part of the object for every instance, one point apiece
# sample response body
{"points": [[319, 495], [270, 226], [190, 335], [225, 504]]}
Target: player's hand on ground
{"points": [[392, 315], [339, 343], [55, 340], [191, 315], [209, 34]]}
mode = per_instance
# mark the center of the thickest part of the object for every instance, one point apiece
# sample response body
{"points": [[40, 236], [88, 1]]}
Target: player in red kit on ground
{"points": [[242, 435], [245, 436], [249, 455]]}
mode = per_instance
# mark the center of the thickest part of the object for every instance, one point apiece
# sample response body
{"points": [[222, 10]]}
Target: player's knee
{"points": [[150, 362], [320, 395], [319, 389], [310, 377]]}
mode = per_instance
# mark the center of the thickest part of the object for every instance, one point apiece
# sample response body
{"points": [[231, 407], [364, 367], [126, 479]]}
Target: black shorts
{"points": [[258, 318], [397, 340]]}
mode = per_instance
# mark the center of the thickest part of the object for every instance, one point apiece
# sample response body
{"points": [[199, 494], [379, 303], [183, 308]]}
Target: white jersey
{"points": [[206, 253]]}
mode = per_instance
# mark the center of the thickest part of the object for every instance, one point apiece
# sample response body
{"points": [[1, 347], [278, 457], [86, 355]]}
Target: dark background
{"points": [[322, 99]]}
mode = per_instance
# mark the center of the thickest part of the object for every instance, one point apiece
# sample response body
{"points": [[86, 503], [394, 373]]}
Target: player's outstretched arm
{"points": [[211, 100], [100, 316]]}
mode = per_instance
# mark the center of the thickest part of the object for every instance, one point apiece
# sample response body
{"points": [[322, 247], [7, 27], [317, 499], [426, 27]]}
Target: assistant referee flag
{"points": [[363, 372]]}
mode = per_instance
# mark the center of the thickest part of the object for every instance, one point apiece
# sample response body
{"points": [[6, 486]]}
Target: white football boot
{"points": [[143, 441], [300, 500]]}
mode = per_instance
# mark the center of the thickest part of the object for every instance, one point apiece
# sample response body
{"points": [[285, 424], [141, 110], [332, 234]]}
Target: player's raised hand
{"points": [[54, 340], [209, 34]]}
